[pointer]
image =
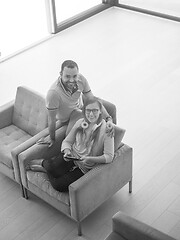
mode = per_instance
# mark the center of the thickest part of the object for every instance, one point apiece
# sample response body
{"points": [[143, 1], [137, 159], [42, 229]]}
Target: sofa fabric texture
{"points": [[30, 113], [10, 137], [22, 122], [128, 228], [88, 192], [40, 180]]}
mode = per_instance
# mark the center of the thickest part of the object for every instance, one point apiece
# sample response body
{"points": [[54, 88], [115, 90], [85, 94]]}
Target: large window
{"points": [[67, 9], [63, 14], [22, 23]]}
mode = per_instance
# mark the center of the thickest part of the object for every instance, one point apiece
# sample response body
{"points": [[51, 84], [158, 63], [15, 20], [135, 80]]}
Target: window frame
{"points": [[149, 12], [55, 27]]}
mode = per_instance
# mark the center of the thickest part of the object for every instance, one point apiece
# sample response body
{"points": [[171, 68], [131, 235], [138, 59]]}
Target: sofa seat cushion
{"points": [[41, 180], [10, 137]]}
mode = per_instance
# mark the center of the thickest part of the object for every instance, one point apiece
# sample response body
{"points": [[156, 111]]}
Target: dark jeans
{"points": [[61, 173]]}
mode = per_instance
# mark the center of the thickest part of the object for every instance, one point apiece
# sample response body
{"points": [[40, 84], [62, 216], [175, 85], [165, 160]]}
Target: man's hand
{"points": [[110, 128], [51, 142], [47, 141]]}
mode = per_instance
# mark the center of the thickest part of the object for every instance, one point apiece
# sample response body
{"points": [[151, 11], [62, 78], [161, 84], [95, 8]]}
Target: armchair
{"points": [[88, 192], [22, 123]]}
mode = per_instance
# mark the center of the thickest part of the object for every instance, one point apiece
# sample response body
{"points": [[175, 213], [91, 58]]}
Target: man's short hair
{"points": [[69, 64]]}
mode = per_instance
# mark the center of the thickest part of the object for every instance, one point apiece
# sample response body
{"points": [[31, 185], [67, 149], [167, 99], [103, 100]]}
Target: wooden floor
{"points": [[132, 60]]}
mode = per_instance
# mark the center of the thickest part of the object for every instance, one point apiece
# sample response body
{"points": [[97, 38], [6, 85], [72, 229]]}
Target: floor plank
{"points": [[166, 222]]}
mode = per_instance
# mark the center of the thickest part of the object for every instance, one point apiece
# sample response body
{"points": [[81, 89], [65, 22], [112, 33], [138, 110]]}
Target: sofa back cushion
{"points": [[118, 136], [30, 113]]}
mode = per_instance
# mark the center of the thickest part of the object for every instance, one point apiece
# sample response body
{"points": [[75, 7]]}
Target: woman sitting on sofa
{"points": [[86, 145]]}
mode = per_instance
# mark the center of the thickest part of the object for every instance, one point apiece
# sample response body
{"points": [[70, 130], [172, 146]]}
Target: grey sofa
{"points": [[22, 122], [88, 192], [127, 228]]}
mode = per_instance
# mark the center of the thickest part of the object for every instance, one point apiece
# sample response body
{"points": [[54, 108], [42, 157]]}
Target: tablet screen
{"points": [[71, 158]]}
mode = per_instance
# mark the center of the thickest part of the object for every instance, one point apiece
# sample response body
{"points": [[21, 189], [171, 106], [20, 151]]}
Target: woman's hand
{"points": [[86, 159], [67, 152]]}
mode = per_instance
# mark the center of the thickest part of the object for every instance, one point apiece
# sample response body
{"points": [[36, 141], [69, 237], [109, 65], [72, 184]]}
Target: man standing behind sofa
{"points": [[64, 99]]}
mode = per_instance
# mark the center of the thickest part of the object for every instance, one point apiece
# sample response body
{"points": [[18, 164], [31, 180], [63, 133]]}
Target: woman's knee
{"points": [[47, 165], [59, 186], [75, 115]]}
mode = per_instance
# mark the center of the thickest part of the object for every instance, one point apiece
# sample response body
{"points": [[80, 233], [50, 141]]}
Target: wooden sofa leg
{"points": [[79, 229], [24, 192], [130, 186]]}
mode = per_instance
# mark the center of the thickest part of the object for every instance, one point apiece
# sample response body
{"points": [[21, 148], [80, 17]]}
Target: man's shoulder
{"points": [[53, 94], [54, 89], [54, 86]]}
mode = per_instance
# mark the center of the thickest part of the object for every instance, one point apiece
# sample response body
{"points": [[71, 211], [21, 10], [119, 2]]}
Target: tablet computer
{"points": [[71, 158]]}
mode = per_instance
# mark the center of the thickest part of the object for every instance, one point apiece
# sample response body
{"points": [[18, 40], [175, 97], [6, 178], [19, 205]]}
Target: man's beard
{"points": [[71, 86]]}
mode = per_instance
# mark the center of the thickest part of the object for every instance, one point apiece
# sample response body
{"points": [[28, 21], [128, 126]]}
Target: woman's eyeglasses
{"points": [[94, 111]]}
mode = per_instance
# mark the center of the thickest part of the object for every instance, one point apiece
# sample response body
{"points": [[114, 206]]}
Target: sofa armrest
{"points": [[132, 229], [22, 147], [100, 183], [38, 151], [6, 113]]}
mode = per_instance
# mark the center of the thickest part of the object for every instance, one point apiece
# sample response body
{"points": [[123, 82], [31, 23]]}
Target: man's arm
{"points": [[87, 95], [52, 123], [51, 127], [52, 104], [105, 114]]}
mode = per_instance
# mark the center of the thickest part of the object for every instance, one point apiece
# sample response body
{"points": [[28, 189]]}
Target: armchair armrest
{"points": [[22, 147], [38, 151], [132, 229], [100, 183], [6, 113]]}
